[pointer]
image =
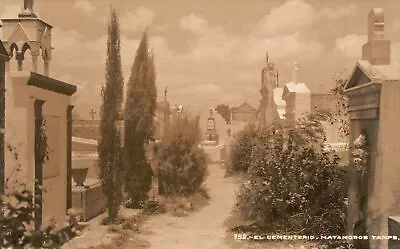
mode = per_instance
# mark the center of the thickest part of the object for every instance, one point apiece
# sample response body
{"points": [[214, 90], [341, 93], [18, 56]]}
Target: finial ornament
{"points": [[165, 94], [28, 5], [28, 9], [267, 58]]}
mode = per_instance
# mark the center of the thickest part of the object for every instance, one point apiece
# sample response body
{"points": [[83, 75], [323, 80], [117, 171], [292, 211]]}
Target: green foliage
{"points": [[139, 115], [182, 163], [241, 148], [225, 112], [293, 185], [340, 116], [109, 147], [17, 222]]}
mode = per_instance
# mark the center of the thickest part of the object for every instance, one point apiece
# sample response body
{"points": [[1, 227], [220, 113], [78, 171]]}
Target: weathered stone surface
{"points": [[90, 200]]}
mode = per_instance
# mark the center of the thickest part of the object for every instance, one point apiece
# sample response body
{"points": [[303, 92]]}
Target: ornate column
{"points": [[34, 61], [69, 156], [46, 66], [20, 59]]}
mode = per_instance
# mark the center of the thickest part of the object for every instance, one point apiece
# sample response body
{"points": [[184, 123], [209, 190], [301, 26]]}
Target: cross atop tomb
{"points": [[377, 49], [92, 112], [376, 24]]}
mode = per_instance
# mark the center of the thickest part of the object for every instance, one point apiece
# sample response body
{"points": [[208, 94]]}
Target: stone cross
{"points": [[92, 112], [376, 24]]}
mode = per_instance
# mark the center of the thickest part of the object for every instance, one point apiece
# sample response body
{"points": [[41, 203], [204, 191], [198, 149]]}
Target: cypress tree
{"points": [[139, 115], [109, 147]]}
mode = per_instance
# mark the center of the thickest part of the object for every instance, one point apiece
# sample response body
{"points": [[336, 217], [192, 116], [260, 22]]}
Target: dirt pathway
{"points": [[202, 229]]}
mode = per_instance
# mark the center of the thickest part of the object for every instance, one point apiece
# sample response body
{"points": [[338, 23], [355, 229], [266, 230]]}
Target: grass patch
{"points": [[183, 205], [128, 229]]}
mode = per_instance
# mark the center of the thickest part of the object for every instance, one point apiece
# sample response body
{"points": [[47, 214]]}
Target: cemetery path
{"points": [[202, 229]]}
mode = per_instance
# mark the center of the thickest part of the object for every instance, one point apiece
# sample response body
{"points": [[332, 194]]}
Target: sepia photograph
{"points": [[200, 124]]}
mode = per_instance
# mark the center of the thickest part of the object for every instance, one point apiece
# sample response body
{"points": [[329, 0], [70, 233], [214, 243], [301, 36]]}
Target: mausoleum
{"points": [[297, 97], [373, 92], [36, 105]]}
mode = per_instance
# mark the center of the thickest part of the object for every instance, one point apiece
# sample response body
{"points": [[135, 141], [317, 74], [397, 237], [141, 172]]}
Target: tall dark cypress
{"points": [[109, 147], [139, 114]]}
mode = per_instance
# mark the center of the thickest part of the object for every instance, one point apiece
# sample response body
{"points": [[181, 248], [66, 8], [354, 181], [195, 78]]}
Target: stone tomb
{"points": [[31, 98], [215, 136], [373, 93]]}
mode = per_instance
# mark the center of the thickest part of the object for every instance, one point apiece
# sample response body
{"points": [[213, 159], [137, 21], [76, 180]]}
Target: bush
{"points": [[241, 148], [294, 186], [153, 207], [182, 163], [17, 222]]}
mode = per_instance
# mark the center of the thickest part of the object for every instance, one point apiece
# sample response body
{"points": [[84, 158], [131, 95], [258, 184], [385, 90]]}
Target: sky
{"points": [[210, 52]]}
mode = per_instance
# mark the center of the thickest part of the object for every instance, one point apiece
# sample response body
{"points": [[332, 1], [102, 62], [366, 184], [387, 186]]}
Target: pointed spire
{"points": [[267, 58], [165, 94]]}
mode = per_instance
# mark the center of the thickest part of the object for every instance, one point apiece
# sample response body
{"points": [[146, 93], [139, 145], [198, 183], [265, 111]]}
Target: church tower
{"points": [[266, 111], [28, 32]]}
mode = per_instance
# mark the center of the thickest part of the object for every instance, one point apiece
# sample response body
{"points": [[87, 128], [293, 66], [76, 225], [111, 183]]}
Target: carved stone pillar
{"points": [[20, 59], [46, 67], [34, 62]]}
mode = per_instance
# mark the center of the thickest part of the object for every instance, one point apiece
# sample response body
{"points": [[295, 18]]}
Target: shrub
{"points": [[17, 224], [182, 163], [293, 185], [241, 148], [153, 207]]}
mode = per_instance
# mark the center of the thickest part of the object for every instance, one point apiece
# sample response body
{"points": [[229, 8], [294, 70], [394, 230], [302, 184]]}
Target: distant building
{"points": [[244, 113], [298, 99], [270, 109], [280, 104]]}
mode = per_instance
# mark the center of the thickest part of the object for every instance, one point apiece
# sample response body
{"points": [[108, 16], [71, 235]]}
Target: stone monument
{"points": [[211, 135], [372, 90], [33, 99], [267, 111]]}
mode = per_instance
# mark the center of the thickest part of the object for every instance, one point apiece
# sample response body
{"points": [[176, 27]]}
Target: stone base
{"points": [[209, 143], [90, 200]]}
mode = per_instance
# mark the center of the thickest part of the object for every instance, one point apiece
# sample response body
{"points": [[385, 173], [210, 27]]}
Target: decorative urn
{"points": [[79, 176]]}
